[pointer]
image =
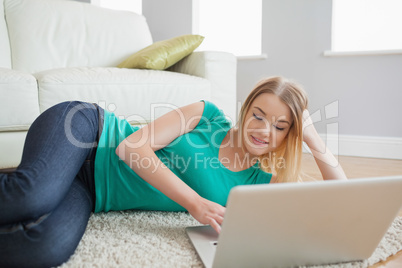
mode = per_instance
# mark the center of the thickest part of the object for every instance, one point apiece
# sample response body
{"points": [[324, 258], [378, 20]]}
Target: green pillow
{"points": [[163, 54]]}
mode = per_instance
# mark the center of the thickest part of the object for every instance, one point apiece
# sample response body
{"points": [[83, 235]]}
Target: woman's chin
{"points": [[258, 151]]}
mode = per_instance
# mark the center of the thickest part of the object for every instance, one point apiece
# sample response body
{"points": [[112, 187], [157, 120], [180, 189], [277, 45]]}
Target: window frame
{"points": [[334, 53]]}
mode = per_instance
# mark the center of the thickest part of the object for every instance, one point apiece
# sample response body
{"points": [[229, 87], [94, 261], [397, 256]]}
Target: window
{"points": [[233, 26], [366, 25], [130, 5]]}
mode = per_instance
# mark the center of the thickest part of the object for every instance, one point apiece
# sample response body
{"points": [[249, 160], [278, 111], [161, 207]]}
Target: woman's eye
{"points": [[257, 117], [279, 128]]}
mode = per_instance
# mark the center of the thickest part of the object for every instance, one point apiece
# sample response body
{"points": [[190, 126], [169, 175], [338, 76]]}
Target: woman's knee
{"points": [[23, 245], [50, 240]]}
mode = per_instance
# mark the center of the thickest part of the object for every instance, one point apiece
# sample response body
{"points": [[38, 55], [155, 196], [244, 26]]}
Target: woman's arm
{"points": [[326, 162], [156, 135]]}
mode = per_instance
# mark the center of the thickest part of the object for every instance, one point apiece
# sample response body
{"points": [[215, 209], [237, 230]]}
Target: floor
{"points": [[357, 167]]}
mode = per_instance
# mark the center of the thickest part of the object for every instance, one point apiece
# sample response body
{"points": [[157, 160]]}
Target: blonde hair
{"points": [[284, 161]]}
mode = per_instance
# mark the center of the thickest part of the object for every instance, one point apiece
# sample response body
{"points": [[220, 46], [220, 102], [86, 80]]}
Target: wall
{"points": [[167, 19], [367, 89]]}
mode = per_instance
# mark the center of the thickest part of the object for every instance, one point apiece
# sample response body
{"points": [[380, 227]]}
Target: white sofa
{"points": [[57, 50]]}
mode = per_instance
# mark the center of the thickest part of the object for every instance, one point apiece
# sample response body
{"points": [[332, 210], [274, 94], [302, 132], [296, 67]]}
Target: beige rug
{"points": [[158, 239]]}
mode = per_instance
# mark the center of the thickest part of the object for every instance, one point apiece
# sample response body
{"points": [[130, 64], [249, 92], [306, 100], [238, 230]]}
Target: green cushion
{"points": [[163, 54]]}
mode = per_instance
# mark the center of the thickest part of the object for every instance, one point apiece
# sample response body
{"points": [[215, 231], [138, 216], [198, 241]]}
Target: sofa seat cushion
{"points": [[19, 100], [12, 145], [137, 95]]}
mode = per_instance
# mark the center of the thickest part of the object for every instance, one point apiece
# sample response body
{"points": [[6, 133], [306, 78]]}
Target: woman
{"points": [[79, 158]]}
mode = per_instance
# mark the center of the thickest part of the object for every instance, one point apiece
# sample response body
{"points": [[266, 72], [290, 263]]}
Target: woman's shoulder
{"points": [[213, 113]]}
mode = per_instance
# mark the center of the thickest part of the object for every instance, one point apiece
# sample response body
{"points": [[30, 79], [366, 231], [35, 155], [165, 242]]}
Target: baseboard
{"points": [[363, 146]]}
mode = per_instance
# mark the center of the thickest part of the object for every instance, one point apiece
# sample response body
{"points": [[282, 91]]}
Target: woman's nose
{"points": [[265, 129]]}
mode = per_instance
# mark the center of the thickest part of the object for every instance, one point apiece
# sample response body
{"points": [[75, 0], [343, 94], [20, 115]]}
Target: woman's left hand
{"points": [[327, 163]]}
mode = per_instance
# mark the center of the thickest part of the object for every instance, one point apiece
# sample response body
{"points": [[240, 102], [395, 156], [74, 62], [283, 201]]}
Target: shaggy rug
{"points": [[158, 239]]}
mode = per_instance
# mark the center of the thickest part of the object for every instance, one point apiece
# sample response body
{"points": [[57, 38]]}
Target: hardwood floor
{"points": [[358, 167]]}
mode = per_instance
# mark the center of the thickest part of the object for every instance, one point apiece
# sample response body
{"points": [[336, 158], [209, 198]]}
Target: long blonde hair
{"points": [[284, 161]]}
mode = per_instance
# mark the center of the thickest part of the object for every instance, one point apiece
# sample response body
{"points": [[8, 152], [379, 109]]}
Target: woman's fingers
{"points": [[209, 212], [215, 225], [219, 219]]}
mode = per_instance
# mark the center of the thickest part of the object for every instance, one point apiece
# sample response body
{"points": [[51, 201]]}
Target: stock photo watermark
{"points": [[266, 131]]}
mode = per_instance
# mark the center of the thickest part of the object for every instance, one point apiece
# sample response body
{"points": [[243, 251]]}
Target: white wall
{"points": [[368, 88], [295, 35], [168, 18]]}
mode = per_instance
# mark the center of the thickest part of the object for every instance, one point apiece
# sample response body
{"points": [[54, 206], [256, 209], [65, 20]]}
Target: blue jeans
{"points": [[46, 202]]}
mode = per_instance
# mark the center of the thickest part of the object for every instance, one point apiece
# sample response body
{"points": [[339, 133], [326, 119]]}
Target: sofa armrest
{"points": [[220, 69]]}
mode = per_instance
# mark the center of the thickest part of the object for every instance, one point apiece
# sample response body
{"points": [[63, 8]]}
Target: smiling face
{"points": [[266, 124], [270, 127]]}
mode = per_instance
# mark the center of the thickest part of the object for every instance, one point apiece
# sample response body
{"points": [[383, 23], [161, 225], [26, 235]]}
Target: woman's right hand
{"points": [[208, 212]]}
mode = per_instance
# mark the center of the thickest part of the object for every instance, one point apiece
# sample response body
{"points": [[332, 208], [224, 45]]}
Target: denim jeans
{"points": [[46, 202]]}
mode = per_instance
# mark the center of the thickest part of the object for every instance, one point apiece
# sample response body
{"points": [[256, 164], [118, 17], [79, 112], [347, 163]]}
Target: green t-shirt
{"points": [[193, 157]]}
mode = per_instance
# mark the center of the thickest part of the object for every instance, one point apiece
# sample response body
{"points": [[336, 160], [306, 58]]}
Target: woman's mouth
{"points": [[257, 141]]}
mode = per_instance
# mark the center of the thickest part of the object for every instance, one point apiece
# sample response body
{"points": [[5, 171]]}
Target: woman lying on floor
{"points": [[79, 158]]}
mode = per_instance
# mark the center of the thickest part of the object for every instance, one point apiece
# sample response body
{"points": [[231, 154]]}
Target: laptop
{"points": [[292, 224]]}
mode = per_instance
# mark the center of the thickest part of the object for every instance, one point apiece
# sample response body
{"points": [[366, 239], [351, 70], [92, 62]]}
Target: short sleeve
{"points": [[212, 113]]}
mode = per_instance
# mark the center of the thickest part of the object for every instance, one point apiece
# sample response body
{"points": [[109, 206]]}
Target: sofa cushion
{"points": [[163, 54], [12, 145], [5, 55], [137, 95], [48, 34], [19, 100]]}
